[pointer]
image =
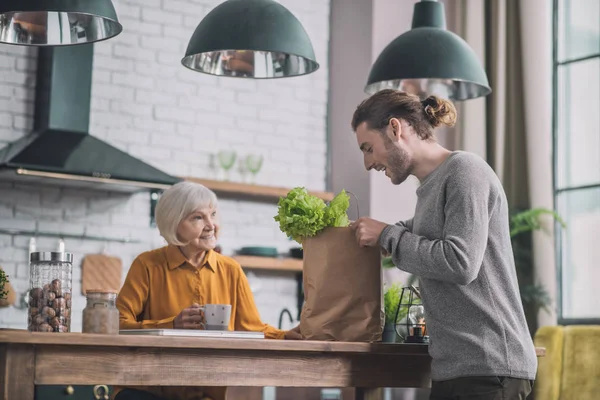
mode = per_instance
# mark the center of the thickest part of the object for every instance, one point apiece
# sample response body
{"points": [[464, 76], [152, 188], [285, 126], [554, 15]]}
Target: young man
{"points": [[457, 243]]}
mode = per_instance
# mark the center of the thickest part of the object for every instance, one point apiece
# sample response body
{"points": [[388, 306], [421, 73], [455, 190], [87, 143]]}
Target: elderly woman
{"points": [[164, 287]]}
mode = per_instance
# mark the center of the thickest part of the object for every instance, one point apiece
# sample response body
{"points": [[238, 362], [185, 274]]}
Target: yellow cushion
{"points": [[548, 380], [581, 363]]}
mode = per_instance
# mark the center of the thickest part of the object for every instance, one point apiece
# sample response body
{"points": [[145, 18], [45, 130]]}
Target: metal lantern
{"points": [[411, 325]]}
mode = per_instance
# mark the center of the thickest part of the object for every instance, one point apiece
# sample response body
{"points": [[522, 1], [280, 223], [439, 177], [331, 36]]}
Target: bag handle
{"points": [[357, 205]]}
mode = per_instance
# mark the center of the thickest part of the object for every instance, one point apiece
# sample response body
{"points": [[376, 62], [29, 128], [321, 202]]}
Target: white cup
{"points": [[216, 316]]}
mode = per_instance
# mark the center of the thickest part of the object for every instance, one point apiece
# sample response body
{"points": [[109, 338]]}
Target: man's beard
{"points": [[399, 163]]}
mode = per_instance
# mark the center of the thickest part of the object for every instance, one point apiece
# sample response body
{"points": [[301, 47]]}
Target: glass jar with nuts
{"points": [[50, 279], [101, 314]]}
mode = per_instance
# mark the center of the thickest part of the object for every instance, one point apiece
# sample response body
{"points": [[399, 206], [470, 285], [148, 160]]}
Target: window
{"points": [[576, 148]]}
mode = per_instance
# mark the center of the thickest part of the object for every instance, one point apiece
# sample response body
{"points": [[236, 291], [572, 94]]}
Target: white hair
{"points": [[176, 203]]}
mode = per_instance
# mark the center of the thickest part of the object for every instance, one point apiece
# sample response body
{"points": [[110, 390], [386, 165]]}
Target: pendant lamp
{"points": [[57, 22], [250, 39], [429, 59]]}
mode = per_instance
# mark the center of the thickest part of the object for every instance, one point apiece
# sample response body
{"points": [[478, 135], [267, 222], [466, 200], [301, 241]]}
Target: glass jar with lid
{"points": [[50, 280], [101, 314]]}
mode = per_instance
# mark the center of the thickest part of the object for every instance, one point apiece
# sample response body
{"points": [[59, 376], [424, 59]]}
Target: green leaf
{"points": [[536, 296], [529, 220], [387, 262], [300, 214], [336, 212], [533, 296], [3, 281], [391, 299]]}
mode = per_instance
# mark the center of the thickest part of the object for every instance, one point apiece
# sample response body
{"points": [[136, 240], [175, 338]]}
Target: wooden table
{"points": [[29, 359]]}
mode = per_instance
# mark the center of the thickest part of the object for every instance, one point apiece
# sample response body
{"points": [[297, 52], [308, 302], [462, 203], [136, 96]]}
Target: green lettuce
{"points": [[301, 215], [336, 211]]}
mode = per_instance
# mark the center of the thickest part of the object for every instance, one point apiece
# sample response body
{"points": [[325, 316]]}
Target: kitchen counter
{"points": [[29, 359]]}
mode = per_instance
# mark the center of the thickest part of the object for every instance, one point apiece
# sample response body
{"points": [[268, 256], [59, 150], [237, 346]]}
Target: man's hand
{"points": [[293, 334], [367, 231], [190, 318]]}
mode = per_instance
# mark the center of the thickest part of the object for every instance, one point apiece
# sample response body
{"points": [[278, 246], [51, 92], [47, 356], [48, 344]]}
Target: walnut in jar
{"points": [[58, 303], [46, 294], [39, 319], [36, 293], [50, 276], [48, 312], [50, 296], [63, 328], [55, 322], [55, 285]]}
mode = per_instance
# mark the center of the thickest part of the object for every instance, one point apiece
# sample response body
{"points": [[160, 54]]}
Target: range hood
{"points": [[60, 149]]}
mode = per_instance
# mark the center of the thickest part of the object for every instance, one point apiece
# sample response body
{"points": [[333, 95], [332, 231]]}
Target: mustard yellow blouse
{"points": [[161, 283]]}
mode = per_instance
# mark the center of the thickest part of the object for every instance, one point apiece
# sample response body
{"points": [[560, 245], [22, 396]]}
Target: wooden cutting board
{"points": [[100, 271]]}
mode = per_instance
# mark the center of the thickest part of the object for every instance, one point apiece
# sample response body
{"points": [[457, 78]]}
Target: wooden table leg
{"points": [[17, 367], [369, 394]]}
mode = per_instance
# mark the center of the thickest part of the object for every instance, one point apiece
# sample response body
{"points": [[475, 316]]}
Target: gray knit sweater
{"points": [[458, 244]]}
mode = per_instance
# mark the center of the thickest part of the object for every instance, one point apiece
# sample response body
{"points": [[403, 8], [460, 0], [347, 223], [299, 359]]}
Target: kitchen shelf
{"points": [[270, 263], [256, 192], [36, 233]]}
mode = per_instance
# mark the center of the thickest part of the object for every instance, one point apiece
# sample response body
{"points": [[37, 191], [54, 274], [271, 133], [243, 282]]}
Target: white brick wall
{"points": [[144, 102]]}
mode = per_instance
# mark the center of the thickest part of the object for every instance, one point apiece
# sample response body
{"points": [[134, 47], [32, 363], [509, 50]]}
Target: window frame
{"points": [[556, 190]]}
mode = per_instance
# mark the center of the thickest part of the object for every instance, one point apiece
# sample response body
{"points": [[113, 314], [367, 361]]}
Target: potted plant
{"points": [[7, 293], [533, 296], [391, 299], [3, 281]]}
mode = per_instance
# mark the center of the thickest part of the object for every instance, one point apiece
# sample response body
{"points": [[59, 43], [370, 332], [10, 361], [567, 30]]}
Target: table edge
{"points": [[95, 340], [83, 339]]}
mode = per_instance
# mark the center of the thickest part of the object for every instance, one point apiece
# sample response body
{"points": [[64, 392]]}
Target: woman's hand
{"points": [[190, 318], [293, 334]]}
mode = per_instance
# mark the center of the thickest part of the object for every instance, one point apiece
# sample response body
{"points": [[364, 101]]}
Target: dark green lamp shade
{"points": [[57, 22], [250, 39], [429, 59]]}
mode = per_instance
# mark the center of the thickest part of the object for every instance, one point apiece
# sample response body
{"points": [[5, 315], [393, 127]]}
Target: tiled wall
{"points": [[144, 102]]}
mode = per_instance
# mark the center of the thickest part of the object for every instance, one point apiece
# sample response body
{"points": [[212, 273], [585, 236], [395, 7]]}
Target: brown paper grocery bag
{"points": [[342, 289]]}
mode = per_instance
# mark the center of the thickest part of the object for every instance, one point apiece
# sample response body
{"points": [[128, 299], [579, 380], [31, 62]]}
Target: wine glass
{"points": [[254, 163], [226, 160], [243, 171]]}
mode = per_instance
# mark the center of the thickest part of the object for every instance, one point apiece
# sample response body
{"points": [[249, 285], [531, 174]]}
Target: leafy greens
{"points": [[302, 215]]}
